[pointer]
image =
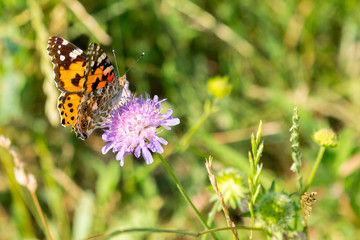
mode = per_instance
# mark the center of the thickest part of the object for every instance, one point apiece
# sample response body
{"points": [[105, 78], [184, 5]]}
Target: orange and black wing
{"points": [[69, 64], [99, 70]]}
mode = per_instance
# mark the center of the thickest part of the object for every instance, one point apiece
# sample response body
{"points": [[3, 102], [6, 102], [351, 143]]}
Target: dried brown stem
{"points": [[218, 193]]}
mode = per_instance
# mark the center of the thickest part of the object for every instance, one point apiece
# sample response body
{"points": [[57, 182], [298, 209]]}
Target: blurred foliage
{"points": [[276, 54]]}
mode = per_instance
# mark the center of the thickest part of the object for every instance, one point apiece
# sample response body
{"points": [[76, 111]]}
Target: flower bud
{"points": [[326, 138], [275, 211], [231, 185], [219, 86]]}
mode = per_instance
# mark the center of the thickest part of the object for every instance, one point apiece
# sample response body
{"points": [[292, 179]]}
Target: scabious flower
{"points": [[133, 127]]}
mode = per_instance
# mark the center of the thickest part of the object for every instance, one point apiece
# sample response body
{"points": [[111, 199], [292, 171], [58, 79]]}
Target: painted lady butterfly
{"points": [[88, 83]]}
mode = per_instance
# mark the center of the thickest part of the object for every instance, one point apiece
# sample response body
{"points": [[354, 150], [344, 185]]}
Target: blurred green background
{"points": [[277, 55]]}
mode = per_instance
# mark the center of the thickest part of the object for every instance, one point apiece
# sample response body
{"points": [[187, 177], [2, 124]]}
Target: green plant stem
{"points": [[252, 218], [211, 216], [185, 140], [228, 228], [154, 230], [184, 194], [316, 165]]}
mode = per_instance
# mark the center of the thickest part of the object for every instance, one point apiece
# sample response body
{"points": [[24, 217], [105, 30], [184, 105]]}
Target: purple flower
{"points": [[133, 127]]}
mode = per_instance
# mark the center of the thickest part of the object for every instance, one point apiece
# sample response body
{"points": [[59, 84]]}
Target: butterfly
{"points": [[89, 85]]}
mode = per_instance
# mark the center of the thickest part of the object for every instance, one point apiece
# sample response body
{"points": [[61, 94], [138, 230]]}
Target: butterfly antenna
{"points": [[117, 67], [140, 57]]}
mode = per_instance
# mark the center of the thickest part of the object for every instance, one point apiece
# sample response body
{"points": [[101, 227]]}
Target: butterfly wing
{"points": [[69, 63], [102, 90], [68, 104], [99, 70], [88, 83]]}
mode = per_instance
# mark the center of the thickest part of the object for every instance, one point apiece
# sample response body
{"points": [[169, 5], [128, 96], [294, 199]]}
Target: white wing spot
{"points": [[65, 42], [62, 57], [101, 58], [107, 70], [58, 52], [92, 63], [78, 51], [73, 55]]}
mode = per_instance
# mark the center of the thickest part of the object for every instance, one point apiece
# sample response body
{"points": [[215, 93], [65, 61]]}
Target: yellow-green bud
{"points": [[275, 211], [231, 185], [219, 86], [326, 138]]}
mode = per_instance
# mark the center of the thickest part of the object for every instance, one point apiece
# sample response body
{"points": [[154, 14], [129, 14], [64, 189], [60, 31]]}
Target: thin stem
{"points": [[184, 194], [228, 228], [116, 233], [185, 140], [316, 165], [211, 216], [41, 214], [154, 230], [220, 197], [252, 218]]}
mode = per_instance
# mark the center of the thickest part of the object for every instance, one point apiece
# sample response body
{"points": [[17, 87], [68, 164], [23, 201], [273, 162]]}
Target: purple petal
{"points": [[172, 122], [106, 137], [158, 147], [137, 151], [120, 156], [167, 114], [107, 147], [161, 140], [147, 155]]}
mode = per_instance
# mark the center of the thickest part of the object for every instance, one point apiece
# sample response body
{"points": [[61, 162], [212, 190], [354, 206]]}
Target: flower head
{"points": [[219, 86], [326, 138], [275, 211], [231, 185], [133, 127]]}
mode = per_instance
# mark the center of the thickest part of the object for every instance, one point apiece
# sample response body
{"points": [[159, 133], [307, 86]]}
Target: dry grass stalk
{"points": [[218, 193]]}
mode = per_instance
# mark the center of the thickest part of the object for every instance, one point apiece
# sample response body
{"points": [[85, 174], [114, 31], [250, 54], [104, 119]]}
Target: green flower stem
{"points": [[154, 230], [313, 171], [184, 194], [185, 140], [211, 216], [228, 228], [252, 218], [136, 230]]}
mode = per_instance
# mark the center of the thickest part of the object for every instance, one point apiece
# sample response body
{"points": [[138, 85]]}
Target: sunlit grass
{"points": [[275, 55]]}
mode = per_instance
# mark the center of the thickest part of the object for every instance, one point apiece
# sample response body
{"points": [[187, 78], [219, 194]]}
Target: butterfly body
{"points": [[89, 86]]}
